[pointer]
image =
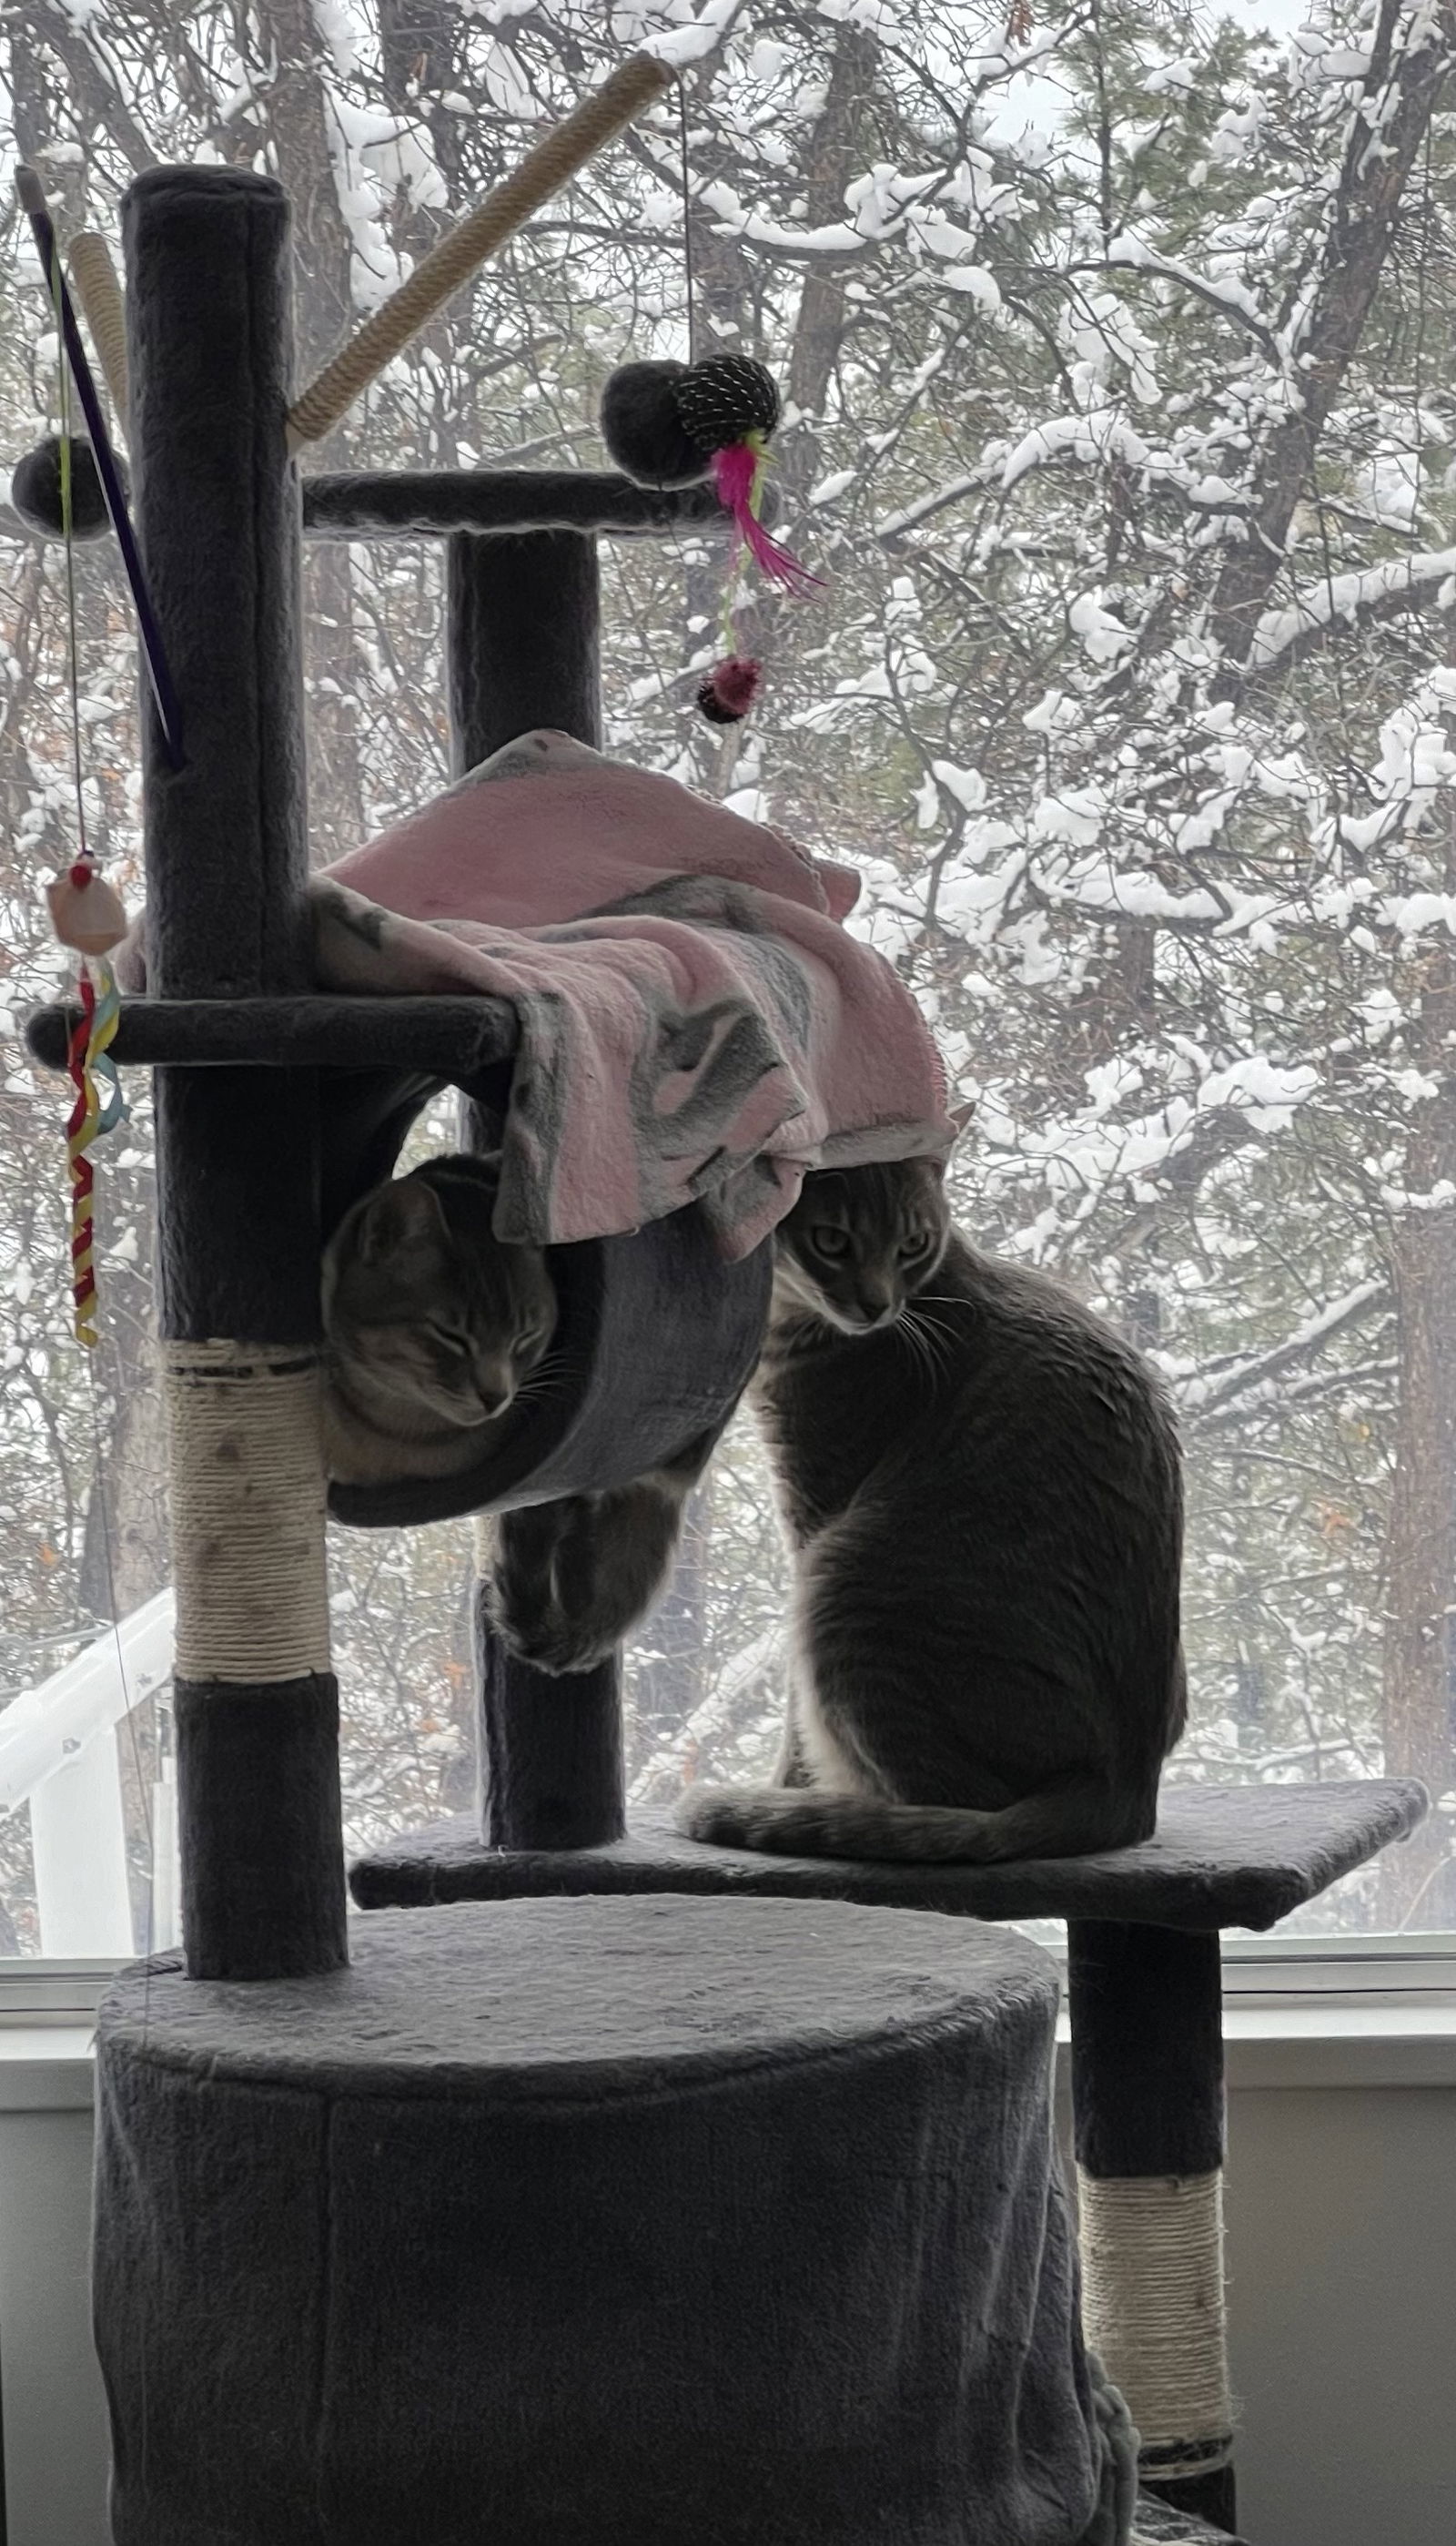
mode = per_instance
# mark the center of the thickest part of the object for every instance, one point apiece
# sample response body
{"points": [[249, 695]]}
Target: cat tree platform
{"points": [[574, 2222], [1144, 1997], [1223, 1856]]}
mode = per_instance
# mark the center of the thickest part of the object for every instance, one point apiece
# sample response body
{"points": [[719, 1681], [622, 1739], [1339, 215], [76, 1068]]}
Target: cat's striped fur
{"points": [[980, 1487], [432, 1326]]}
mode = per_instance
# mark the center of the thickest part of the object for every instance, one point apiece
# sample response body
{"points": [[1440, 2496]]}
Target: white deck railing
{"points": [[59, 1758]]}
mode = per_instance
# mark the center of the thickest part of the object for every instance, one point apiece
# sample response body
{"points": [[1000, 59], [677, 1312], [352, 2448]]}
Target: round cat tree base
{"points": [[574, 2222]]}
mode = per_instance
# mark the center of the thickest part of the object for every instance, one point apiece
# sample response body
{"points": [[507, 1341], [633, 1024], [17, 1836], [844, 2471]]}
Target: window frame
{"points": [[1259, 1971]]}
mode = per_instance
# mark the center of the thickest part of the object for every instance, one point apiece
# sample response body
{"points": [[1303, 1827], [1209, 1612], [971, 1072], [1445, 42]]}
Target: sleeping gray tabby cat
{"points": [[433, 1330], [433, 1326], [980, 1487]]}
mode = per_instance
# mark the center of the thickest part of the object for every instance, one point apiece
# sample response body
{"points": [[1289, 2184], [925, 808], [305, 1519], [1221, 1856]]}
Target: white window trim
{"points": [[53, 1991], [1266, 1971], [1279, 1970], [1313, 2013]]}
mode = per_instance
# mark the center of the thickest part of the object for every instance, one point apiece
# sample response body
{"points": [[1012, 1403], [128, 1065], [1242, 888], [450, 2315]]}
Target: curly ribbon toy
{"points": [[99, 1108], [88, 917]]}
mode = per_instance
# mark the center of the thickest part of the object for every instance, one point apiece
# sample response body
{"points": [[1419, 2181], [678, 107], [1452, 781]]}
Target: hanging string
{"points": [[690, 280]]}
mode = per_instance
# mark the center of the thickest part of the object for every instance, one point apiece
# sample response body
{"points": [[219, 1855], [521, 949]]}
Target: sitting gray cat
{"points": [[981, 1490], [433, 1326]]}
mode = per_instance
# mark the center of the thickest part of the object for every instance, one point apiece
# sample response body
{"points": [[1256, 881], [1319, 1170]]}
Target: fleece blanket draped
{"points": [[696, 1023]]}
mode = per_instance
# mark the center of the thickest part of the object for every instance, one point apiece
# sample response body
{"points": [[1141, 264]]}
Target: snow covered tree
{"points": [[1115, 345]]}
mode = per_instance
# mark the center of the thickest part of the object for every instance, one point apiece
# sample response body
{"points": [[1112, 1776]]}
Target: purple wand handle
{"points": [[33, 203]]}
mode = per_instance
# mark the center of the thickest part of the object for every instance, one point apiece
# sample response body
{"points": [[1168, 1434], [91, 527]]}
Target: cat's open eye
{"points": [[912, 1250], [830, 1242]]}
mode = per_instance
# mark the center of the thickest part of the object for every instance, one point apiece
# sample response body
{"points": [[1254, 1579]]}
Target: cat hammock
{"points": [[387, 2244]]}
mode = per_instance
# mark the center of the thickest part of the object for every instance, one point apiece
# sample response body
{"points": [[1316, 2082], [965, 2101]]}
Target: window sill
{"points": [[44, 2068], [1318, 2042]]}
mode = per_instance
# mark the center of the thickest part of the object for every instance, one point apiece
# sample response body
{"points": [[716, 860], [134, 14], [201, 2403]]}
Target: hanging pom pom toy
{"points": [[674, 424], [730, 689], [35, 491], [643, 430]]}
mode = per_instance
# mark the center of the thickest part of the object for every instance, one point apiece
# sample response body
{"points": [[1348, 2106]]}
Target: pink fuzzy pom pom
{"points": [[730, 689]]}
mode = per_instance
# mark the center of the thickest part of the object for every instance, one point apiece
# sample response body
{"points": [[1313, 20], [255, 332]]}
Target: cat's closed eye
{"points": [[830, 1242], [448, 1339]]}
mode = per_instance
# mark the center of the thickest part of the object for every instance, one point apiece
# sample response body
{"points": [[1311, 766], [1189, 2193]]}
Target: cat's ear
{"points": [[403, 1218], [962, 1115]]}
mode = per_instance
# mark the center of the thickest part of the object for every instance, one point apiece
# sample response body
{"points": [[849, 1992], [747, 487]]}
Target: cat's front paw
{"points": [[546, 1639]]}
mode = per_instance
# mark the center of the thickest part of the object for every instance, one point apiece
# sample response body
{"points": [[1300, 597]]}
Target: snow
{"points": [[334, 25], [1103, 636], [694, 43], [977, 282], [1099, 434], [1344, 596], [376, 157], [1227, 289], [1177, 946], [736, 221], [966, 787]]}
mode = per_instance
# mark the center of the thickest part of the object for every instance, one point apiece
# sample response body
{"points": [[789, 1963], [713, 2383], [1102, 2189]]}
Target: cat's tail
{"points": [[1071, 1820]]}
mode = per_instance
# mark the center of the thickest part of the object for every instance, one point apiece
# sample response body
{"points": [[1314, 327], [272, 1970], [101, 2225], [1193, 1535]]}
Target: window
{"points": [[1130, 692]]}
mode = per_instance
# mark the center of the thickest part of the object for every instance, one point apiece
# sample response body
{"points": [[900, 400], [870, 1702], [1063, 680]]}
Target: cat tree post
{"points": [[524, 618], [257, 1711], [1148, 2101]]}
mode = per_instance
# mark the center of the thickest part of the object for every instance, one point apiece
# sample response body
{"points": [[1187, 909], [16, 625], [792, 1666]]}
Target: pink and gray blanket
{"points": [[695, 1022]]}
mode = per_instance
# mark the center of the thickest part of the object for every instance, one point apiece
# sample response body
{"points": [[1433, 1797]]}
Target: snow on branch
{"points": [[1199, 1397], [1231, 299], [1377, 591], [706, 34], [1099, 434], [893, 526]]}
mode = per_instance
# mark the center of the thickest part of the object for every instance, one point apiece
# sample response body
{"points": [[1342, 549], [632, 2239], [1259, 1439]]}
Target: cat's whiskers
{"points": [[930, 1333], [913, 1329], [940, 1327], [546, 1380]]}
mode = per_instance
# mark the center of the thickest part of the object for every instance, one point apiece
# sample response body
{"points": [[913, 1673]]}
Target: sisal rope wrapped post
{"points": [[522, 623], [208, 276], [555, 159], [1148, 2103], [100, 294]]}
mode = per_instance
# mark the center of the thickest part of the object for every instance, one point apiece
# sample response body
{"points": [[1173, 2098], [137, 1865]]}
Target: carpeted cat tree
{"points": [[716, 2201]]}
